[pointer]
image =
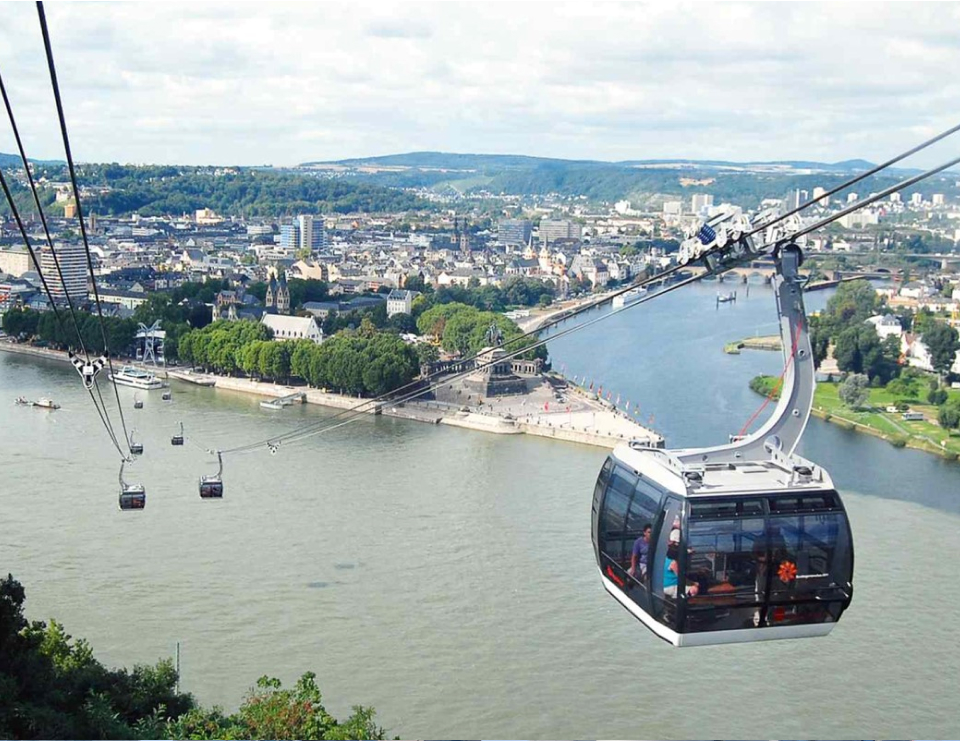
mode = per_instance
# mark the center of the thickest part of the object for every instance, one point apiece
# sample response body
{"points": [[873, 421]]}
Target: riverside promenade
{"points": [[554, 409], [573, 417]]}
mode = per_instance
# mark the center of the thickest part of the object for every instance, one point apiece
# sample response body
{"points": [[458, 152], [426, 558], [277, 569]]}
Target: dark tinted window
{"points": [[617, 499], [811, 556], [725, 508], [811, 502], [727, 558]]}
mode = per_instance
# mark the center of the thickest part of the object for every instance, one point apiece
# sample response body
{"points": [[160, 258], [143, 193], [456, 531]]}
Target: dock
{"points": [[284, 401]]}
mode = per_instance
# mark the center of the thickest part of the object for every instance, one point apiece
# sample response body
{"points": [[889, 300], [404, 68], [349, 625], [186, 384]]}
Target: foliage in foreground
{"points": [[51, 686]]}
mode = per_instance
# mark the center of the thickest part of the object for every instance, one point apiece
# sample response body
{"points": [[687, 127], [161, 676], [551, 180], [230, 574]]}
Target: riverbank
{"points": [[583, 419], [587, 421], [876, 421]]}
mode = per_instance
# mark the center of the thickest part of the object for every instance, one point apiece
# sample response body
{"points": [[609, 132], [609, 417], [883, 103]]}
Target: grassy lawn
{"points": [[926, 435]]}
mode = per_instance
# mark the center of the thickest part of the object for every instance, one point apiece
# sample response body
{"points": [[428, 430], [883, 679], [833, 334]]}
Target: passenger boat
{"points": [[44, 403], [630, 297], [136, 378]]}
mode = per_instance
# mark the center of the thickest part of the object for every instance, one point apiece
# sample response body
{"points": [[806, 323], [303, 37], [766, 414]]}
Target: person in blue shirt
{"points": [[671, 569], [641, 550]]}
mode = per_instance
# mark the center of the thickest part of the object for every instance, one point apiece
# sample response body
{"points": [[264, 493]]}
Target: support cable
{"points": [[56, 311], [863, 176], [43, 218], [76, 195]]}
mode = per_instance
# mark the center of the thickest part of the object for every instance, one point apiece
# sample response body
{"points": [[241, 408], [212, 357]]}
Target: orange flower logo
{"points": [[787, 572]]}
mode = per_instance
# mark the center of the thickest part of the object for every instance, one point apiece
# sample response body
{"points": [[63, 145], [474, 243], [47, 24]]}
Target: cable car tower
{"points": [[740, 542]]}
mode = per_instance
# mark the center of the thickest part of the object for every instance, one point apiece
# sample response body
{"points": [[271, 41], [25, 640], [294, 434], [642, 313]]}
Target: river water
{"points": [[446, 576]]}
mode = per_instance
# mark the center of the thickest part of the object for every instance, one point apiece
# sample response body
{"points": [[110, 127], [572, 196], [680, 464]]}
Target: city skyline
{"points": [[283, 84]]}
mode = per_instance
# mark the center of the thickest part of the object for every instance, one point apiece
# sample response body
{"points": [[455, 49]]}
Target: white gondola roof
{"points": [[778, 473]]}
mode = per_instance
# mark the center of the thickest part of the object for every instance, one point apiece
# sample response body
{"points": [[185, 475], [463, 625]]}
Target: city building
{"points": [[672, 208], [73, 266], [700, 202], [293, 327], [207, 217], [819, 197], [937, 199], [916, 199], [290, 237], [514, 231], [400, 302], [15, 262], [553, 229], [312, 235]]}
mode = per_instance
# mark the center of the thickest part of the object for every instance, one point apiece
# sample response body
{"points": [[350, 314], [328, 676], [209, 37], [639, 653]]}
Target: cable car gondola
{"points": [[736, 543], [135, 447], [211, 487], [177, 439], [132, 496]]}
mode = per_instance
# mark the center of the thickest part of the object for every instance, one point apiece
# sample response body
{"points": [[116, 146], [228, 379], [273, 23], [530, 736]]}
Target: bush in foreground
{"points": [[51, 686]]}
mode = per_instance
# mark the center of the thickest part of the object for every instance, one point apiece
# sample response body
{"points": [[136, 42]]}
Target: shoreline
{"points": [[598, 424], [914, 441]]}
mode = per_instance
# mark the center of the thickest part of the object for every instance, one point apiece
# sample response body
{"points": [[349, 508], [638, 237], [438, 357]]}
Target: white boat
{"points": [[136, 378], [44, 403], [724, 298], [631, 296]]}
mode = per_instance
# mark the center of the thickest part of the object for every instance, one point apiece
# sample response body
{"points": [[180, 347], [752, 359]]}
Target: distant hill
{"points": [[487, 162], [644, 182], [13, 160]]}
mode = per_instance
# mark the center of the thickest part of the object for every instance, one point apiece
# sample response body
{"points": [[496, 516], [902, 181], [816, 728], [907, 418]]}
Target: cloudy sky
{"points": [[275, 83]]}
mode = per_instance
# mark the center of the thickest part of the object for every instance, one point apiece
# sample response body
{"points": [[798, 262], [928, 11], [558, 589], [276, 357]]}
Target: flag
{"points": [[618, 400], [591, 385], [651, 419], [609, 394], [600, 391], [628, 405]]}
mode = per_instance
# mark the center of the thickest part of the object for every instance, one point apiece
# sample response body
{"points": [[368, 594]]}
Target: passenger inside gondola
{"points": [[641, 552]]}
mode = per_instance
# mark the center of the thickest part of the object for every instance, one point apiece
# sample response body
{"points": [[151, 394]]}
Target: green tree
{"points": [[854, 390], [943, 343]]}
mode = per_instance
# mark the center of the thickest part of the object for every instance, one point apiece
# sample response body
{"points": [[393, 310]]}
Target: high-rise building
{"points": [[851, 197], [701, 202], [553, 229], [916, 199], [514, 231], [73, 265], [312, 235], [290, 237], [819, 198], [937, 199]]}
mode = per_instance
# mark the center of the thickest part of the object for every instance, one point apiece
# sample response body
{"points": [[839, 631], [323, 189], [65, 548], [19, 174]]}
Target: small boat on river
{"points": [[43, 403], [631, 296]]}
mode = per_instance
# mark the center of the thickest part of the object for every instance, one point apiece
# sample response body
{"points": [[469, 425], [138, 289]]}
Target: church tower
{"points": [[270, 299], [283, 295]]}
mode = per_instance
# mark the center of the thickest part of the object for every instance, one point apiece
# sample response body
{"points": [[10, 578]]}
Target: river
{"points": [[446, 576]]}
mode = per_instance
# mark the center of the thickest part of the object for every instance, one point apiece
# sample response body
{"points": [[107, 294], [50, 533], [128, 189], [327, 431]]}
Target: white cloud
{"points": [[252, 83]]}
